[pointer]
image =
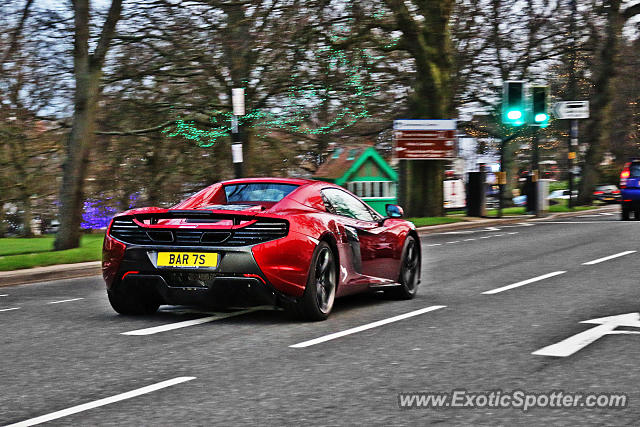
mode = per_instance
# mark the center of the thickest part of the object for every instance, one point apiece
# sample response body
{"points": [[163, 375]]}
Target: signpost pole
{"points": [[237, 99], [573, 146]]}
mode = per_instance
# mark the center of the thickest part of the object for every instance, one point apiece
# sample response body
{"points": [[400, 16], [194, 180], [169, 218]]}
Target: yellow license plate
{"points": [[187, 259]]}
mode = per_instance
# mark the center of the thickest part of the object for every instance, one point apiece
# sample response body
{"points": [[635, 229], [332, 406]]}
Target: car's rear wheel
{"points": [[409, 271], [319, 294], [625, 213], [132, 302]]}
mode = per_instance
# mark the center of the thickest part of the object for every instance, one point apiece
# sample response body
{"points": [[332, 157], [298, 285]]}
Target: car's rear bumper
{"points": [[630, 198], [236, 281]]}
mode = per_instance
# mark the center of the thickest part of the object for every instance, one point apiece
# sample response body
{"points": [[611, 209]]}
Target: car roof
{"points": [[295, 181]]}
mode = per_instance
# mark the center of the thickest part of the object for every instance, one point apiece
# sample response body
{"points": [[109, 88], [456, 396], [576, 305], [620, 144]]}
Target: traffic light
{"points": [[513, 105], [539, 106]]}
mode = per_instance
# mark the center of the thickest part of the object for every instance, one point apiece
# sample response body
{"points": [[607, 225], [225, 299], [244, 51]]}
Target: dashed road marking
{"points": [[10, 309], [367, 326], [522, 283], [101, 402], [607, 258], [455, 241], [186, 323], [65, 300]]}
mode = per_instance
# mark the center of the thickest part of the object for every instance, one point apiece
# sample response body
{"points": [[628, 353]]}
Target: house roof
{"points": [[345, 161]]}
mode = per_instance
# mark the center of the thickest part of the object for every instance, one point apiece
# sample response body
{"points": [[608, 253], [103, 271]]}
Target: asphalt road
{"points": [[493, 296]]}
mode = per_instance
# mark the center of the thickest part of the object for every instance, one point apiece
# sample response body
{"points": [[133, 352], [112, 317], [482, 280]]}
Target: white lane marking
{"points": [[485, 237], [525, 224], [514, 232], [101, 402], [457, 232], [65, 300], [588, 216], [455, 241], [4, 295], [524, 282], [607, 258], [9, 309], [498, 235], [178, 325], [491, 229], [365, 327], [606, 213], [435, 244], [469, 240], [579, 341], [586, 222]]}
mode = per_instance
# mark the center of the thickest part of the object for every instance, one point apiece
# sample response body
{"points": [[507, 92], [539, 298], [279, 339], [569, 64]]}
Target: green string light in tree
{"points": [[300, 104]]}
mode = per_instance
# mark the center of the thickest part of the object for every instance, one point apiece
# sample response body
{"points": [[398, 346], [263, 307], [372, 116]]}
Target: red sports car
{"points": [[294, 243]]}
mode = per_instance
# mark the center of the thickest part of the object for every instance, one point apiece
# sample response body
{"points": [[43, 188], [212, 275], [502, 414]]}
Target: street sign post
{"points": [[425, 139], [571, 110]]}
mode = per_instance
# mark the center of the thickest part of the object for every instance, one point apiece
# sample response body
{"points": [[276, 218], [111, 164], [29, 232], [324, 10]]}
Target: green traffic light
{"points": [[514, 115], [541, 117]]}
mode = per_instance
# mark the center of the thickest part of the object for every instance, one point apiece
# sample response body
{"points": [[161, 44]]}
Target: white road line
{"points": [[469, 240], [588, 216], [97, 403], [365, 327], [498, 235], [525, 224], [524, 282], [9, 309], [606, 213], [491, 229], [455, 241], [607, 258], [65, 300], [485, 237], [435, 244], [586, 222], [514, 232], [178, 325]]}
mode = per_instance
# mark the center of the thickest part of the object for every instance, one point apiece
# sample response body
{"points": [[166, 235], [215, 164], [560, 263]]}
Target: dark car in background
{"points": [[607, 193], [630, 189]]}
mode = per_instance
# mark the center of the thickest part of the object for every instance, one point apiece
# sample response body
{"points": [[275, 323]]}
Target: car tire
{"points": [[625, 214], [409, 277], [132, 302], [319, 294]]}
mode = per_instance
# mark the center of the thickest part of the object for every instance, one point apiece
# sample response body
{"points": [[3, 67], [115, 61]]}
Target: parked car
{"points": [[557, 195], [289, 242], [630, 189], [607, 193]]}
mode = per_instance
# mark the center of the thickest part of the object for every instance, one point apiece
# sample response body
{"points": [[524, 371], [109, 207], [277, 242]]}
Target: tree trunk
{"points": [[596, 129], [428, 42], [87, 73]]}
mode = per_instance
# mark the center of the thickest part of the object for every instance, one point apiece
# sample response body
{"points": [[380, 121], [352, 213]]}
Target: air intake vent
{"points": [[126, 230]]}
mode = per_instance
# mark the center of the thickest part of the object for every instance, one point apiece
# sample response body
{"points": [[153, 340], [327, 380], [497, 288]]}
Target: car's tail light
{"points": [[595, 193], [615, 192], [624, 175]]}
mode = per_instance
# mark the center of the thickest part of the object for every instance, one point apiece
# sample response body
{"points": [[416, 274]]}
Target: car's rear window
{"points": [[634, 169], [257, 192]]}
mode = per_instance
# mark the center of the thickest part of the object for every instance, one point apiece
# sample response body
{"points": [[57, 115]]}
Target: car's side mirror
{"points": [[394, 211]]}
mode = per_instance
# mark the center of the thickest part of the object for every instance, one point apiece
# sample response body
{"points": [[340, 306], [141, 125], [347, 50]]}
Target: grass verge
{"points": [[435, 220], [16, 253]]}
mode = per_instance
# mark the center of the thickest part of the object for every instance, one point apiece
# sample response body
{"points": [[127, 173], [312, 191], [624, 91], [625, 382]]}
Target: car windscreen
{"points": [[257, 192]]}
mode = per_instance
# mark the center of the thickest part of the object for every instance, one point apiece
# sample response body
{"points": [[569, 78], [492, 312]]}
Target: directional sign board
{"points": [[571, 110], [425, 139]]}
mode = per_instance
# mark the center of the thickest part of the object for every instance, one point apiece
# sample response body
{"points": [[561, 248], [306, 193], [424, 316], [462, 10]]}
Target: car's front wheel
{"points": [[132, 302], [625, 214], [317, 301]]}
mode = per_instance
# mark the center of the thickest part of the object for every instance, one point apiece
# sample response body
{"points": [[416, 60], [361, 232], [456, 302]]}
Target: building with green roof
{"points": [[361, 170]]}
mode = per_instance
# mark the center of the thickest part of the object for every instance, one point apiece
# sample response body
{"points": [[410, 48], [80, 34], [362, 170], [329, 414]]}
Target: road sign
{"points": [[571, 110], [425, 139], [606, 326]]}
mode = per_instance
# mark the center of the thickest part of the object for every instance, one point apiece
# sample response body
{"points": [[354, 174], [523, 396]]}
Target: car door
{"points": [[371, 243]]}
